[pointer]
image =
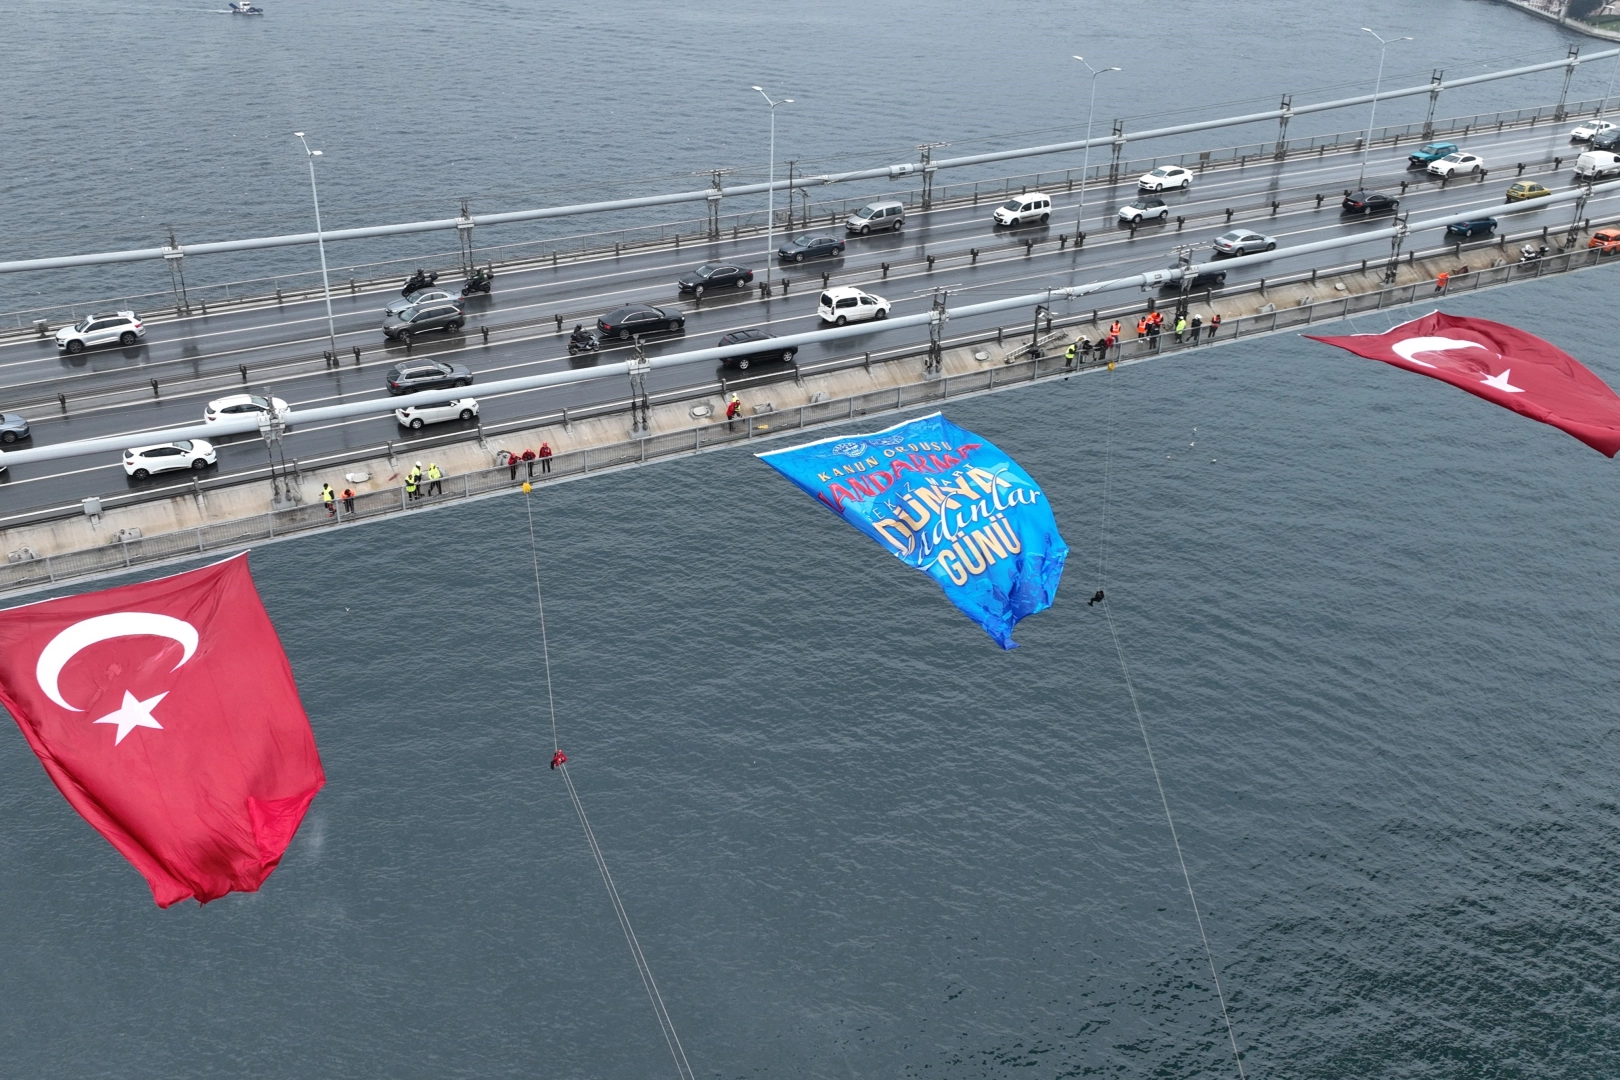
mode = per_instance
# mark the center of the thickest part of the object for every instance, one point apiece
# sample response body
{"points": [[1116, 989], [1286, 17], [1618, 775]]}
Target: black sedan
{"points": [[766, 353], [635, 320], [1481, 226], [414, 375], [810, 247], [1369, 202], [1207, 279], [711, 276]]}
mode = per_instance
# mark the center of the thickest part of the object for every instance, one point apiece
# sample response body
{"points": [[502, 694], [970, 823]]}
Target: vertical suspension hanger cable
{"points": [[677, 1052], [1141, 724]]}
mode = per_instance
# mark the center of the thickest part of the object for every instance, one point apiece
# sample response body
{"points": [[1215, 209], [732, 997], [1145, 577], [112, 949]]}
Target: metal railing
{"points": [[1015, 368]]}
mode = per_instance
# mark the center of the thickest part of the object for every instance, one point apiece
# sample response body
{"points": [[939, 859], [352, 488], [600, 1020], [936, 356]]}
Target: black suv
{"points": [[443, 315], [1369, 202], [414, 375], [766, 354]]}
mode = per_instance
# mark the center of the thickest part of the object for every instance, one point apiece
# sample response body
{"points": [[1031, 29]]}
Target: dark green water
{"points": [[1375, 642]]}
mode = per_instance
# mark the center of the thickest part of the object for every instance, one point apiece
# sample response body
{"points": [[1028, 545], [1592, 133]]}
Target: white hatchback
{"points": [[238, 406], [1164, 178], [142, 461], [1590, 130], [1023, 209], [419, 416], [1458, 164], [848, 304]]}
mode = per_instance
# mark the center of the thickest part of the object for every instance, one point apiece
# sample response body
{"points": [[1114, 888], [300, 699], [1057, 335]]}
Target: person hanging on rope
{"points": [[559, 758], [1096, 598]]}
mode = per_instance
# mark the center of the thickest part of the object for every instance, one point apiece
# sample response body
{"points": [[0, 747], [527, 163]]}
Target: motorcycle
{"points": [[481, 280], [1530, 254], [582, 342], [419, 281]]}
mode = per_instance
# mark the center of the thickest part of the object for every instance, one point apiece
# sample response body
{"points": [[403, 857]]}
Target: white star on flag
{"points": [[132, 714], [1500, 382]]}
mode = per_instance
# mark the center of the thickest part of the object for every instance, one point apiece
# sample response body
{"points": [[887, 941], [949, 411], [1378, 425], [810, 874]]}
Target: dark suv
{"points": [[443, 315], [766, 353], [414, 375]]}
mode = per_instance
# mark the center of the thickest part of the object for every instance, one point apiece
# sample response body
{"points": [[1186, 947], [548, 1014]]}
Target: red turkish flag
{"points": [[167, 714], [1504, 365]]}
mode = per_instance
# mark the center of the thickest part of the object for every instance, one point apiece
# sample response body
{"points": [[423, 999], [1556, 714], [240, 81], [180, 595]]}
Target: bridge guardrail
{"points": [[1014, 370]]}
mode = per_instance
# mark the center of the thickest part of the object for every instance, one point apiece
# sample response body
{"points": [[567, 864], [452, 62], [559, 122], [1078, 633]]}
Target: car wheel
{"points": [[742, 363], [698, 291], [882, 314], [405, 336], [75, 346], [1185, 184], [1045, 218], [798, 256], [141, 474], [127, 338], [452, 327], [866, 230], [840, 321], [8, 437], [198, 463], [742, 283], [416, 423], [1272, 246], [624, 335], [1164, 215], [788, 355], [462, 382], [466, 414]]}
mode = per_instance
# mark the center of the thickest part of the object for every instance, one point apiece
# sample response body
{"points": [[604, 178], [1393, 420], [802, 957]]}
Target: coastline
{"points": [[1576, 25]]}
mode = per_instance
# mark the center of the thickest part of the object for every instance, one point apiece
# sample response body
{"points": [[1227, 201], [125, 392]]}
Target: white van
{"points": [[1597, 164], [875, 217], [847, 304], [1023, 209]]}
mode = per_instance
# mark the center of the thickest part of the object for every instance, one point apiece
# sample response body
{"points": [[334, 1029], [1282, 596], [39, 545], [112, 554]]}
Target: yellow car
{"points": [[1526, 189]]}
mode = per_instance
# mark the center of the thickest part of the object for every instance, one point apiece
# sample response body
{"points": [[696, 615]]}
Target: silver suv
{"points": [[123, 327], [443, 315]]}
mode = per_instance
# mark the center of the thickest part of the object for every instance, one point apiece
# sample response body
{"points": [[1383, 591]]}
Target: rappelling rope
{"points": [[1130, 689], [677, 1052]]}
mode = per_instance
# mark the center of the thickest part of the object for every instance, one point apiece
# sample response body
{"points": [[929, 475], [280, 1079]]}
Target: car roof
{"points": [[737, 337], [630, 309], [844, 290]]}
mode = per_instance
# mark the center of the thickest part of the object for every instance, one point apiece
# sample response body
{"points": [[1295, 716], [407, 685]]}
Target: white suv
{"points": [[124, 327], [1023, 209], [848, 304]]}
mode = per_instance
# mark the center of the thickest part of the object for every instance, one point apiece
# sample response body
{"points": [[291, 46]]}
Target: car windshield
{"points": [[804, 241], [1012, 204], [82, 325], [1160, 172], [1454, 157], [1231, 236], [1437, 148], [705, 270], [408, 312], [865, 212]]}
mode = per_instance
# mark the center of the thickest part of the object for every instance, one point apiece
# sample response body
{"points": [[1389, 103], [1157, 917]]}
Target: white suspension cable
{"points": [[677, 1052]]}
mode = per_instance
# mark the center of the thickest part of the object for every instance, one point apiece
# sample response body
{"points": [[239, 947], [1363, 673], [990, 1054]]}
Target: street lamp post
{"points": [[1366, 146], [320, 242], [770, 194], [1080, 220]]}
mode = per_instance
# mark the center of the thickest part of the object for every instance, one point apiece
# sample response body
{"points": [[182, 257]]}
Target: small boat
{"points": [[245, 8]]}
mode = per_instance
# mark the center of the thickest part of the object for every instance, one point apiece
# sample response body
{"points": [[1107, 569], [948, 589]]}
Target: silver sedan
{"points": [[1242, 242]]}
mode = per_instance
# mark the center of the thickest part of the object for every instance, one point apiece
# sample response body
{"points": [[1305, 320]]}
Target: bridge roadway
{"points": [[196, 358]]}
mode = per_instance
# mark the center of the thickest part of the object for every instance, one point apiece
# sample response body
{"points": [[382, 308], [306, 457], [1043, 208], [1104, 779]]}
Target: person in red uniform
{"points": [[559, 758]]}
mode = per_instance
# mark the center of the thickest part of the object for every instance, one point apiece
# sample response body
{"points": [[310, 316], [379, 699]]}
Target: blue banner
{"points": [[947, 502]]}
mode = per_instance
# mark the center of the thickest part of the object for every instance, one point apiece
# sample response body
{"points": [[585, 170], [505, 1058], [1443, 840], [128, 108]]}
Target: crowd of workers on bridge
{"points": [[422, 482], [1148, 328]]}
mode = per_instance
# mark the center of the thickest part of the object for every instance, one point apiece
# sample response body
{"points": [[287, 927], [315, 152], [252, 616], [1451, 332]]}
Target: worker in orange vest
{"points": [[1141, 327]]}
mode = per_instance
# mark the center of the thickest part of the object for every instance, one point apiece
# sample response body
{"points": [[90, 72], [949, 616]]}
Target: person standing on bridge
{"points": [[1214, 324], [1181, 328], [528, 460], [348, 500], [733, 407], [329, 499], [545, 456], [1142, 326], [512, 463], [1197, 327], [413, 480], [1156, 320], [1069, 353], [435, 479], [1113, 331]]}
